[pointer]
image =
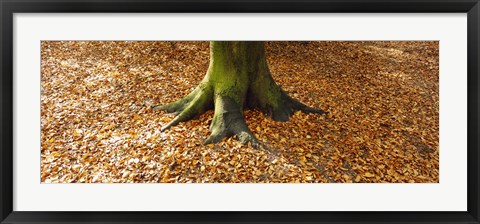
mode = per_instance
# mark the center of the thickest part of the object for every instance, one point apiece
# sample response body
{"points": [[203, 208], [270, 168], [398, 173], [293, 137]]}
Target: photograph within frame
{"points": [[360, 28]]}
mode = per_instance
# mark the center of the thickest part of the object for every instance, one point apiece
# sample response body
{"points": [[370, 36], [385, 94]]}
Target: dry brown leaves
{"points": [[382, 126]]}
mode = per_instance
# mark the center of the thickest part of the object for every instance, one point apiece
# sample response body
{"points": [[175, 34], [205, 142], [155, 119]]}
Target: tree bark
{"points": [[238, 76]]}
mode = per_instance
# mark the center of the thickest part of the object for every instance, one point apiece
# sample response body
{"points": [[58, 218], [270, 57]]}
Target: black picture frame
{"points": [[9, 7]]}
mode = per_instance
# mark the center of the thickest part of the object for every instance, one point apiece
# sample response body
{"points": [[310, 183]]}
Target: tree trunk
{"points": [[237, 77]]}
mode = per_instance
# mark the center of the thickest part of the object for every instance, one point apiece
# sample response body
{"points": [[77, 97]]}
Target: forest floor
{"points": [[382, 100]]}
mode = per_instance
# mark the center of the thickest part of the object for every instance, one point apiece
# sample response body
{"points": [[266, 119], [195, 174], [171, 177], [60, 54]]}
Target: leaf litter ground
{"points": [[382, 126]]}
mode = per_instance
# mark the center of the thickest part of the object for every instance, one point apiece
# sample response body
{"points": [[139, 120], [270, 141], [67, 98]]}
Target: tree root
{"points": [[193, 105], [228, 120], [228, 117], [289, 106], [178, 106], [297, 105]]}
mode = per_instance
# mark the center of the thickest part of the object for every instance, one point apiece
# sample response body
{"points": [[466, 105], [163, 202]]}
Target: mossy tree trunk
{"points": [[237, 77]]}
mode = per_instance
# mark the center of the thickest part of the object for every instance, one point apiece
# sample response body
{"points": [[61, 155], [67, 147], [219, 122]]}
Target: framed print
{"points": [[246, 112]]}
